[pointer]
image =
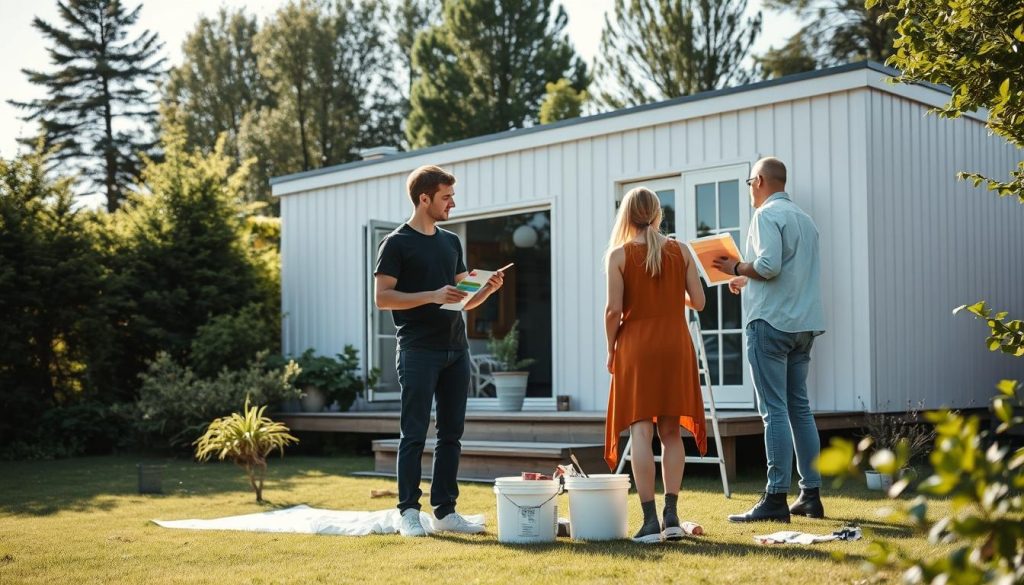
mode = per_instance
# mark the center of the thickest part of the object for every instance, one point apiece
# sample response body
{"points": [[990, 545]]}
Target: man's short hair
{"points": [[426, 180], [773, 168]]}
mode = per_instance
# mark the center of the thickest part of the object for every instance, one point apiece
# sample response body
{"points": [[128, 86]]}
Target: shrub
{"points": [[178, 252], [246, 439], [889, 430], [82, 428], [50, 281], [340, 378], [175, 404], [232, 341]]}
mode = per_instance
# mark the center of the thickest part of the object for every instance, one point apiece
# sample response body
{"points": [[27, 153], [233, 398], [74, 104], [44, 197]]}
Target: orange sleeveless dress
{"points": [[655, 366]]}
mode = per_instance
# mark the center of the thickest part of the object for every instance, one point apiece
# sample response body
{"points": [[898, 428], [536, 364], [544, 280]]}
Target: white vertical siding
{"points": [[937, 243], [875, 175]]}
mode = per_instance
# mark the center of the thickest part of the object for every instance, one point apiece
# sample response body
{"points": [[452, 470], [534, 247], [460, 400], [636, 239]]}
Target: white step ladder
{"points": [[704, 375]]}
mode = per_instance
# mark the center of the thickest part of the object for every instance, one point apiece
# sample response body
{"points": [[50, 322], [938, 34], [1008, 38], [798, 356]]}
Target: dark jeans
{"points": [[778, 364], [428, 375]]}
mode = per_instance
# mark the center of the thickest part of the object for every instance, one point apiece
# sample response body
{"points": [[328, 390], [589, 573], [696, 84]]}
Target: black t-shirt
{"points": [[423, 263]]}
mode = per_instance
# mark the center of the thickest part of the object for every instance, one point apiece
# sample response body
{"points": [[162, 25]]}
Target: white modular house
{"points": [[902, 241]]}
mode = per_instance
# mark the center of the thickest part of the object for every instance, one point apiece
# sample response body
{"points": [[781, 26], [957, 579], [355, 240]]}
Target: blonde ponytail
{"points": [[640, 210], [654, 243]]}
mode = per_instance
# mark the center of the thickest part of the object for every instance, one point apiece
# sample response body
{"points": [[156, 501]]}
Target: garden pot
{"points": [[291, 405], [878, 481], [313, 399], [510, 388], [874, 480], [150, 478]]}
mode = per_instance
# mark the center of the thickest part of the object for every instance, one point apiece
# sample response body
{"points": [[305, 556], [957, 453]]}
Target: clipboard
{"points": [[706, 249]]}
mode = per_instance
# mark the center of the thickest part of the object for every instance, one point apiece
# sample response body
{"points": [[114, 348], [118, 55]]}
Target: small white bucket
{"points": [[597, 506], [527, 510]]}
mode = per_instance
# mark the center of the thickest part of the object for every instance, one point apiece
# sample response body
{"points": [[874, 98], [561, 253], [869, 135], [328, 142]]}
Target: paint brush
{"points": [[572, 456], [505, 267]]}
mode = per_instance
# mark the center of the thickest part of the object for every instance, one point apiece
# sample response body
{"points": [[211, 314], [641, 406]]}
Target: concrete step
{"points": [[486, 460]]}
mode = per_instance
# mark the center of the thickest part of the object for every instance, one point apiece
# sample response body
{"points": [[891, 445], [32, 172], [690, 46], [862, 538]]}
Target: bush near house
{"points": [[89, 299]]}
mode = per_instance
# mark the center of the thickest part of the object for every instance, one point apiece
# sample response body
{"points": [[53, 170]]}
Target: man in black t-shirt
{"points": [[418, 265]]}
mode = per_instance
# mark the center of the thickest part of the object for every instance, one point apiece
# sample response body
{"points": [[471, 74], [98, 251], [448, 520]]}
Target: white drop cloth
{"points": [[305, 520]]}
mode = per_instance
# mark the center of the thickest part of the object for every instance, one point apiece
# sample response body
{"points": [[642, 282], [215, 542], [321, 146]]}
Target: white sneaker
{"points": [[410, 523], [454, 522]]}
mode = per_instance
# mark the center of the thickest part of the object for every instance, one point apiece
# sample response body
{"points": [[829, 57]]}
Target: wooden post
{"points": [[729, 452]]}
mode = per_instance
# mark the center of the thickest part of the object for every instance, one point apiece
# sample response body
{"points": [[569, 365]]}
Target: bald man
{"points": [[782, 307]]}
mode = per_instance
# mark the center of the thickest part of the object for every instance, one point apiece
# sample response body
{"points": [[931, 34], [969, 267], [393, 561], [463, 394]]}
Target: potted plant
{"points": [[509, 373], [328, 380], [893, 432]]}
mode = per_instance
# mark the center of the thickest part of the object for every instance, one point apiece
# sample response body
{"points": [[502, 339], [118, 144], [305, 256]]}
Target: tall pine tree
{"points": [[485, 67], [218, 81], [99, 93], [662, 49]]}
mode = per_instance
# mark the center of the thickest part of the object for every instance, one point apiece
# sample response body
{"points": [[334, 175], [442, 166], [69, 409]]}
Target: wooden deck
{"points": [[490, 436]]}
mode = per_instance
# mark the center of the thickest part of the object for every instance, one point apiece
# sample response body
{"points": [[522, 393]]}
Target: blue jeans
{"points": [[426, 375], [778, 366]]}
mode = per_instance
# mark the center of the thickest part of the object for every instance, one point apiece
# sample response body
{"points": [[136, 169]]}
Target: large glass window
{"points": [[525, 239]]}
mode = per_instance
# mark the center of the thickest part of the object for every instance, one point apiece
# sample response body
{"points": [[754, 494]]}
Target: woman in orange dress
{"points": [[651, 280]]}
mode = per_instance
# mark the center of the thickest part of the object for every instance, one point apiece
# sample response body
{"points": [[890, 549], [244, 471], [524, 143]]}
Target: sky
{"points": [[22, 46]]}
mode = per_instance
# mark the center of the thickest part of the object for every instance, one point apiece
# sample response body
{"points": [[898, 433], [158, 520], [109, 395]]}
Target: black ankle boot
{"points": [[808, 504], [769, 507]]}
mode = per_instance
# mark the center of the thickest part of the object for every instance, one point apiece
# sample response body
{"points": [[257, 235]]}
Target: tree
{"points": [[218, 81], [793, 57], [662, 49], [50, 282], [561, 102], [410, 18], [976, 50], [484, 68], [178, 254], [330, 73], [834, 32], [99, 94]]}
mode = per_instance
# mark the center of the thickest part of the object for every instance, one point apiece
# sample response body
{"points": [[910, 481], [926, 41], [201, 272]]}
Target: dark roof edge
{"points": [[872, 65]]}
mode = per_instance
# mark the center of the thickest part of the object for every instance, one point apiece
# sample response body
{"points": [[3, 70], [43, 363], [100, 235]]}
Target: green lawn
{"points": [[80, 520]]}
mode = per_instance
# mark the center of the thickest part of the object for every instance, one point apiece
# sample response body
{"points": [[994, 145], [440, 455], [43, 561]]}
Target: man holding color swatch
{"points": [[417, 268]]}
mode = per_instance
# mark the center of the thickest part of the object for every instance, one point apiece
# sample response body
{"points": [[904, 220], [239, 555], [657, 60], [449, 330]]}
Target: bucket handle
{"points": [[538, 506]]}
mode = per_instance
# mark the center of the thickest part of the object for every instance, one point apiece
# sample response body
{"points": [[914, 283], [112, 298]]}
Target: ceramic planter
{"points": [[510, 388]]}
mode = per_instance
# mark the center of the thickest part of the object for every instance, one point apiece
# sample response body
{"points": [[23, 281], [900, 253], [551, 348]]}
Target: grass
{"points": [[81, 519]]}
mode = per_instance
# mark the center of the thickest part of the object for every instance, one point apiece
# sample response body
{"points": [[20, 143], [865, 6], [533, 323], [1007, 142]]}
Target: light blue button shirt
{"points": [[782, 243]]}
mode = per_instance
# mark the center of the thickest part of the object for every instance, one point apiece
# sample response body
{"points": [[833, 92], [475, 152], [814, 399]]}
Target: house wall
{"points": [[937, 243], [324, 271]]}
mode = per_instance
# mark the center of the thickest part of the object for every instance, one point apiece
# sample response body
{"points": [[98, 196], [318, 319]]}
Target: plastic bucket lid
{"points": [[525, 487], [600, 481]]}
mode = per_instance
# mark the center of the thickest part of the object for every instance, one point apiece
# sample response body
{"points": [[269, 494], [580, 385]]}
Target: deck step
{"points": [[491, 459]]}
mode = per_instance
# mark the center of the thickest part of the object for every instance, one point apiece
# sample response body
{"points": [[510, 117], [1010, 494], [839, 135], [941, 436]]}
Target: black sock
{"points": [[670, 515], [650, 512]]}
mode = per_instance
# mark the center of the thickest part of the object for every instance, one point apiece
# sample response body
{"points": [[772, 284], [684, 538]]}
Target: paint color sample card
{"points": [[706, 249], [470, 285]]}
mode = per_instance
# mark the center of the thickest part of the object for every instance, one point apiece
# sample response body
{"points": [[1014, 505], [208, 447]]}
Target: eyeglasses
{"points": [[751, 180]]}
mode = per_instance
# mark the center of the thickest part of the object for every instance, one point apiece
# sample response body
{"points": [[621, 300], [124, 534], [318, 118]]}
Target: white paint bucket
{"points": [[527, 511], [597, 506]]}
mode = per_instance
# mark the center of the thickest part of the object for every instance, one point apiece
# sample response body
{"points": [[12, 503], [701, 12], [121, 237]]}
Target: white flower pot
{"points": [[313, 399], [510, 388], [878, 481], [874, 480]]}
